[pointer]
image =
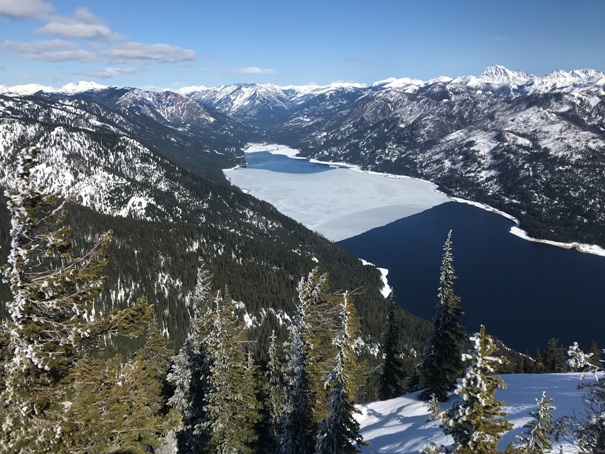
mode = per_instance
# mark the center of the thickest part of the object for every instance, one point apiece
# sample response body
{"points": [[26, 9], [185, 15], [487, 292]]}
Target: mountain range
{"points": [[531, 146], [147, 162]]}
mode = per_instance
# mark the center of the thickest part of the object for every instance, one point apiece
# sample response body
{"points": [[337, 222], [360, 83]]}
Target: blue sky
{"points": [[173, 44]]}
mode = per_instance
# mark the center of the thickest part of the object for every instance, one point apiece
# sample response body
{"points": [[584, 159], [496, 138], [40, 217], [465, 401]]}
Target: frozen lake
{"points": [[524, 292], [335, 200]]}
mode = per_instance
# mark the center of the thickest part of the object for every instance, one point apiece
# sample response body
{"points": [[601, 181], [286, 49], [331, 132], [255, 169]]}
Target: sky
{"points": [[155, 43]]}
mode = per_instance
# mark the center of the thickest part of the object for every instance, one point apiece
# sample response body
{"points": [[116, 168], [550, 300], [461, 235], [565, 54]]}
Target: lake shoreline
{"points": [[514, 230]]}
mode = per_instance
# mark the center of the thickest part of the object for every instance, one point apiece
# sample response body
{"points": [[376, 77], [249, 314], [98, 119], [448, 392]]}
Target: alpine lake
{"points": [[525, 293]]}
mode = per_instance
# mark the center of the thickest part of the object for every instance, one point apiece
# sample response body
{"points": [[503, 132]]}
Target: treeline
{"points": [[71, 385], [65, 392]]}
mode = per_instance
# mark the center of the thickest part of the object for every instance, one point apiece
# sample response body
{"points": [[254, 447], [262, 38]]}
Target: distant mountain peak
{"points": [[502, 75], [81, 86]]}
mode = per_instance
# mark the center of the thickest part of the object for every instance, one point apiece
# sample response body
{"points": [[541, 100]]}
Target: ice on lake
{"points": [[342, 202]]}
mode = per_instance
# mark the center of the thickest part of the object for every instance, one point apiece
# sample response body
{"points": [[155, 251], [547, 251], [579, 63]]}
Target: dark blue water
{"points": [[281, 163], [525, 293]]}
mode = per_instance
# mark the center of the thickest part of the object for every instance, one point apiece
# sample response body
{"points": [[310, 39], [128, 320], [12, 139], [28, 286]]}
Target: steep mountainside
{"points": [[531, 146], [108, 159], [199, 138]]}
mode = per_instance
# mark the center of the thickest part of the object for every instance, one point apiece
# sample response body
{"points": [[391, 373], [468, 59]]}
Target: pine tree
{"points": [[392, 375], [554, 357], [276, 386], [156, 357], [536, 437], [590, 433], [434, 408], [579, 361], [296, 424], [232, 405], [190, 372], [129, 396], [477, 422], [339, 432], [321, 325], [53, 322], [442, 363]]}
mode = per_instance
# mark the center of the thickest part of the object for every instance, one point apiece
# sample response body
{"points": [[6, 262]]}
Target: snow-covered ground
{"points": [[401, 425], [341, 203]]}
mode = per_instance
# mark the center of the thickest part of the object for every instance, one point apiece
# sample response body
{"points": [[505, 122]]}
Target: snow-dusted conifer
{"points": [[52, 318], [434, 408], [477, 422], [129, 396], [442, 363], [392, 375], [579, 361], [296, 424], [536, 437], [233, 408], [275, 381], [322, 325], [190, 373], [339, 432]]}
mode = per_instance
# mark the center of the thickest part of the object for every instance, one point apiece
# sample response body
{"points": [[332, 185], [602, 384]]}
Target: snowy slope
{"points": [[401, 425]]}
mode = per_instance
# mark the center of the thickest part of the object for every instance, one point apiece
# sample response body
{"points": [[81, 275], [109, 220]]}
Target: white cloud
{"points": [[147, 53], [26, 9], [108, 73], [57, 50], [252, 70], [83, 25]]}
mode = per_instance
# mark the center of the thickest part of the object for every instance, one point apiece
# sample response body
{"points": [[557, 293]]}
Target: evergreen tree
{"points": [[276, 386], [232, 405], [477, 421], [321, 325], [392, 375], [190, 373], [53, 322], [129, 396], [340, 430], [590, 433], [579, 361], [536, 438], [434, 408], [296, 425], [442, 363], [554, 357], [156, 357]]}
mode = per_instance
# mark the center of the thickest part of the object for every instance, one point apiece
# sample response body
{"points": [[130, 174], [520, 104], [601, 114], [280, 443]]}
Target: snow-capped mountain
{"points": [[531, 146], [107, 149], [90, 156]]}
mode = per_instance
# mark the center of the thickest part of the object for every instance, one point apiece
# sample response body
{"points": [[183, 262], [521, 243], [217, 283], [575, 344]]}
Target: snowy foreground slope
{"points": [[401, 425]]}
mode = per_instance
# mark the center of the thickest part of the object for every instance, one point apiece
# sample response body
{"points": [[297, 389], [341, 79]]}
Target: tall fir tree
{"points": [[477, 422], [190, 372], [296, 424], [536, 438], [321, 326], [232, 404], [554, 357], [53, 323], [392, 376], [130, 397], [339, 432], [276, 395], [442, 363]]}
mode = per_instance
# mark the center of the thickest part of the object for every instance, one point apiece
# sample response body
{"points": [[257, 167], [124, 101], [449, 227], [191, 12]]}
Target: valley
{"points": [[505, 282], [532, 147]]}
